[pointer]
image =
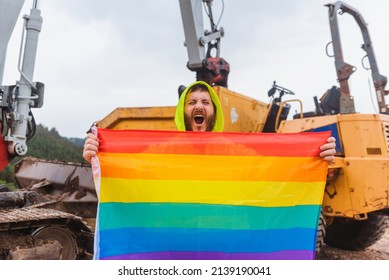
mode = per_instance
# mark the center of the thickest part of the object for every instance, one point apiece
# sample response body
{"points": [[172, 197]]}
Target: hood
{"points": [[179, 117]]}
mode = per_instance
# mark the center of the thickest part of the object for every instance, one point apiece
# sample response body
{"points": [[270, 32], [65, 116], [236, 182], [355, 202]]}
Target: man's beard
{"points": [[209, 123]]}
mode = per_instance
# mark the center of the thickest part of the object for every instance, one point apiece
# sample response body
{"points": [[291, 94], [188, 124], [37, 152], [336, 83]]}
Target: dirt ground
{"points": [[378, 251]]}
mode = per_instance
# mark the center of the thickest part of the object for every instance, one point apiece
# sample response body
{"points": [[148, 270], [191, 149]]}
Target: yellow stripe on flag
{"points": [[268, 194]]}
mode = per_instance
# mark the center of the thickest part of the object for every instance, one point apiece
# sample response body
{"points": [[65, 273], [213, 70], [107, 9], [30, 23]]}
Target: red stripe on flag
{"points": [[226, 143]]}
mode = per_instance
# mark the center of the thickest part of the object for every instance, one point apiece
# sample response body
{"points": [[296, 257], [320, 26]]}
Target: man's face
{"points": [[199, 112]]}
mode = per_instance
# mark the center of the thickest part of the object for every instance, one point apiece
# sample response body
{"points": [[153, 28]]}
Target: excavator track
{"points": [[39, 233]]}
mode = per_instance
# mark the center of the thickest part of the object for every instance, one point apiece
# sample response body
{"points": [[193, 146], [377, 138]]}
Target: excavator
{"points": [[355, 204], [356, 201]]}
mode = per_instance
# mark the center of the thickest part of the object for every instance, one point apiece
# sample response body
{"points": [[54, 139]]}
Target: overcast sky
{"points": [[94, 56]]}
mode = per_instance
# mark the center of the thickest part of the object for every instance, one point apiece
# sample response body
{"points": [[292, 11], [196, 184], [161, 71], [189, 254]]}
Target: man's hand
{"points": [[328, 150], [91, 147]]}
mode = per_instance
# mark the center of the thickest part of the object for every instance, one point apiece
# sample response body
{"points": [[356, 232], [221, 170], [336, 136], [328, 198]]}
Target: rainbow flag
{"points": [[207, 195]]}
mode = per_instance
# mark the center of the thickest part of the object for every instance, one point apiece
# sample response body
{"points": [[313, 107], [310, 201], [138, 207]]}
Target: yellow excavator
{"points": [[356, 199]]}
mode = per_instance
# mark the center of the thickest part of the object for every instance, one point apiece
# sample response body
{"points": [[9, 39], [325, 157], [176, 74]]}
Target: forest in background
{"points": [[47, 144]]}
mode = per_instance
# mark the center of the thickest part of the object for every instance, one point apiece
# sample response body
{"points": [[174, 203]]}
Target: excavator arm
{"points": [[200, 43], [344, 70], [17, 100]]}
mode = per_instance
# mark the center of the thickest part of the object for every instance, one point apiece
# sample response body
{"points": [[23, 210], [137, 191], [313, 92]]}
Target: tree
{"points": [[47, 144]]}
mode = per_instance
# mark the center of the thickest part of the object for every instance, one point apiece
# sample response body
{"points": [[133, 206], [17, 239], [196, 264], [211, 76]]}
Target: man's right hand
{"points": [[91, 147]]}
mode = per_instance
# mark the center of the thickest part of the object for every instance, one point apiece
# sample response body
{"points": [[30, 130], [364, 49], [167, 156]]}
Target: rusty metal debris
{"points": [[48, 214]]}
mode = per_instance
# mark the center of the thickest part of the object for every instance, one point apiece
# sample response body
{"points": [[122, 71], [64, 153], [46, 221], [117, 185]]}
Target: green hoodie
{"points": [[179, 117]]}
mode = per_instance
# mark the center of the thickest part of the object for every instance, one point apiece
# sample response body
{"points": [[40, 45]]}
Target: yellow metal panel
{"points": [[362, 187], [161, 118], [241, 113], [363, 136], [299, 125]]}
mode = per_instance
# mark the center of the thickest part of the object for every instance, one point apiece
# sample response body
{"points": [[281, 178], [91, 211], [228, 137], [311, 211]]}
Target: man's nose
{"points": [[199, 105]]}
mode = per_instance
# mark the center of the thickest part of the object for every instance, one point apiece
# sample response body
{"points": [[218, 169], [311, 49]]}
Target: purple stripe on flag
{"points": [[170, 255]]}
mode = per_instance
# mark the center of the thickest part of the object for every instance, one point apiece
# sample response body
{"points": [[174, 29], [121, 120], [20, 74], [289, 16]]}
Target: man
{"points": [[199, 109]]}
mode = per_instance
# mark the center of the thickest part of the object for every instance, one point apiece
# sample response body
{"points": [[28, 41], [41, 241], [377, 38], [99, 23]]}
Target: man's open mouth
{"points": [[199, 119]]}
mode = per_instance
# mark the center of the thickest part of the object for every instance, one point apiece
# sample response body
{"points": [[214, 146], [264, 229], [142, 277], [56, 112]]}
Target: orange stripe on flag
{"points": [[196, 167]]}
